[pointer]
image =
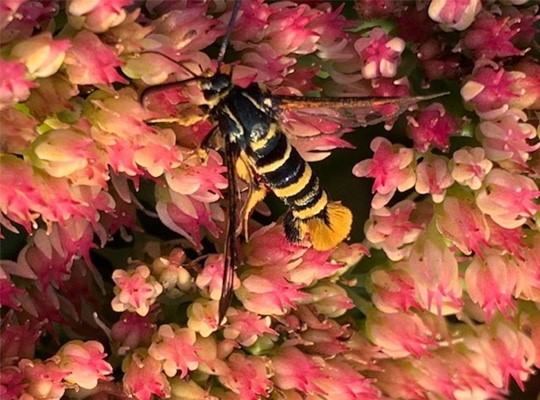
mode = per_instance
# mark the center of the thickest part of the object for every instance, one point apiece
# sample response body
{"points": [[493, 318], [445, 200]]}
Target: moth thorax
{"points": [[216, 86]]}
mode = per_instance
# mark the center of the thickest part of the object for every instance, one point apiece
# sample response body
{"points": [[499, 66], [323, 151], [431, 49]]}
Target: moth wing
{"points": [[315, 124]]}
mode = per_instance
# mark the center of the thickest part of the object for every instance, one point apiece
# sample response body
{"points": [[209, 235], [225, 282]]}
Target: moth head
{"points": [[216, 86]]}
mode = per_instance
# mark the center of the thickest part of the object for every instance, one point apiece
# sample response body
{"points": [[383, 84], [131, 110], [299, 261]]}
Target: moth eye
{"points": [[210, 94]]}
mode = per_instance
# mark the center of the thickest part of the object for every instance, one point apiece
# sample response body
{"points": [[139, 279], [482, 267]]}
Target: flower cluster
{"points": [[113, 213]]}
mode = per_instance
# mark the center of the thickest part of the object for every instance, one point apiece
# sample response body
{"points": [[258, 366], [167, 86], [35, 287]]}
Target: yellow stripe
{"points": [[295, 187], [307, 198], [313, 210], [276, 164], [235, 120], [261, 144], [255, 103]]}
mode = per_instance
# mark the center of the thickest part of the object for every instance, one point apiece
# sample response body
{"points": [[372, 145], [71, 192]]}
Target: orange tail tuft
{"points": [[326, 230]]}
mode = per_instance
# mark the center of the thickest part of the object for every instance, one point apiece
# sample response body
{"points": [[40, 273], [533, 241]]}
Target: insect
{"points": [[256, 149]]}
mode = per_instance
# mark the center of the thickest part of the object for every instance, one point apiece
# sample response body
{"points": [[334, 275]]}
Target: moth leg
{"points": [[256, 194], [229, 264], [202, 149], [209, 138]]}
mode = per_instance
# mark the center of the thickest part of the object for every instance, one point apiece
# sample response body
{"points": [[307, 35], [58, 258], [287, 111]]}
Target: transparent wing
{"points": [[315, 124]]}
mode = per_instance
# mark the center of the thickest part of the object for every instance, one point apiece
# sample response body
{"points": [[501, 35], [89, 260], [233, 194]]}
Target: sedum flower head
{"points": [[111, 199]]}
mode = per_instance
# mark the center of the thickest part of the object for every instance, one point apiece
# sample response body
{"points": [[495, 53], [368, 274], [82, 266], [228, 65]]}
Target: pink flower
{"points": [[50, 254], [393, 290], [174, 278], [489, 91], [269, 66], [9, 292], [151, 68], [247, 376], [210, 279], [181, 387], [289, 30], [330, 26], [392, 229], [187, 216], [203, 317], [491, 38], [330, 299], [188, 30], [295, 370], [14, 86], [70, 153], [379, 53], [267, 292], [491, 281], [313, 267], [454, 14], [175, 348], [269, 246], [509, 240], [527, 85], [135, 290], [43, 379], [122, 117], [18, 130], [469, 166], [201, 180], [525, 22], [529, 270], [460, 221], [246, 327], [324, 338], [349, 255], [341, 381], [251, 23], [434, 270], [20, 18], [432, 128], [18, 340], [508, 198], [150, 154], [54, 95], [132, 331], [506, 139], [212, 354], [438, 63], [36, 195], [391, 167], [400, 334], [90, 62], [143, 377], [99, 15], [42, 55], [83, 361], [398, 379], [502, 351], [433, 177], [12, 383]]}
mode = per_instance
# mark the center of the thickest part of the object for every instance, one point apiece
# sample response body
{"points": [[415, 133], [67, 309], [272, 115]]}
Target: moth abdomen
{"points": [[291, 179]]}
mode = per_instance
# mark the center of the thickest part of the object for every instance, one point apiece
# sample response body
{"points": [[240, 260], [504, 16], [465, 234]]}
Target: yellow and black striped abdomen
{"points": [[288, 175], [247, 119]]}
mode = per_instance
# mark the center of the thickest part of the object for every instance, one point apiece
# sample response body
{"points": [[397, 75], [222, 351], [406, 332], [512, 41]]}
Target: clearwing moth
{"points": [[257, 150]]}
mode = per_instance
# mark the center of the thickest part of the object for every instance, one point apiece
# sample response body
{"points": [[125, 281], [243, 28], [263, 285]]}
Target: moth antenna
{"points": [[228, 32], [171, 60], [163, 86]]}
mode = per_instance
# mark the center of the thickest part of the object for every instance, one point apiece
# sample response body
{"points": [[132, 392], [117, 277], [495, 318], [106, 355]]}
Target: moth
{"points": [[257, 149]]}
